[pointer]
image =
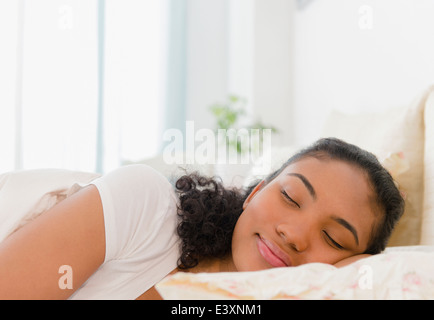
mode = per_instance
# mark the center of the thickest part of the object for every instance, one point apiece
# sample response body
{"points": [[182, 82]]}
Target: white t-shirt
{"points": [[142, 246]]}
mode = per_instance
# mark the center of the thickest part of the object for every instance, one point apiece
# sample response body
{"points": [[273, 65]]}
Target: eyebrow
{"points": [[306, 182], [348, 226]]}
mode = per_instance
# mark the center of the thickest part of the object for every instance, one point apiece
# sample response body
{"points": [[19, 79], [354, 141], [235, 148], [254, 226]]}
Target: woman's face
{"points": [[314, 211]]}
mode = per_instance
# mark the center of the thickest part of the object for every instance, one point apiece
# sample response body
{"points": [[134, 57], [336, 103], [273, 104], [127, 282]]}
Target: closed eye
{"points": [[288, 198], [332, 242]]}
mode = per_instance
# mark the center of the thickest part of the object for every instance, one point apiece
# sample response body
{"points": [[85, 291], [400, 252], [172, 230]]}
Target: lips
{"points": [[272, 253]]}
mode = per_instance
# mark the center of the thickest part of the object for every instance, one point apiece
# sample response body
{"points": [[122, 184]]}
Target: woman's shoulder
{"points": [[136, 190], [137, 202]]}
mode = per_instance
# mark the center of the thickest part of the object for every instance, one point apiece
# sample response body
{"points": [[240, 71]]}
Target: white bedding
{"points": [[401, 273]]}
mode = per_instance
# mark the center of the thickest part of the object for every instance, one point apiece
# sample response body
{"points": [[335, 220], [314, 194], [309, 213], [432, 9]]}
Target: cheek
{"points": [[241, 231], [325, 254], [244, 251], [253, 218]]}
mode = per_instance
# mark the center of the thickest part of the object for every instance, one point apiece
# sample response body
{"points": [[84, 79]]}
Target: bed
{"points": [[402, 138]]}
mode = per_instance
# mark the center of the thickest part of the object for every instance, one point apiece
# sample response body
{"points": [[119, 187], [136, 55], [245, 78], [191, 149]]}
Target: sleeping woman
{"points": [[330, 203]]}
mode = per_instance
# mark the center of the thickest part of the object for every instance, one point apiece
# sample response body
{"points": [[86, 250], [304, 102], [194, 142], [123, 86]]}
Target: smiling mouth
{"points": [[272, 254]]}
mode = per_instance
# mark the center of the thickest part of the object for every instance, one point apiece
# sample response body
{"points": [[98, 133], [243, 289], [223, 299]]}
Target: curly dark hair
{"points": [[208, 211]]}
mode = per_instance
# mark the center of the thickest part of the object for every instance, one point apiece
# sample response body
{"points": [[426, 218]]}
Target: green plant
{"points": [[232, 114], [227, 114]]}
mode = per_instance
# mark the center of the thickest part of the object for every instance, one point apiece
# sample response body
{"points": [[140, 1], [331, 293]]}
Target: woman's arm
{"points": [[70, 234]]}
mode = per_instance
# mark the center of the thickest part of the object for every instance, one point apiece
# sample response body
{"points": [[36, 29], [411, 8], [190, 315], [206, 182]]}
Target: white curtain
{"points": [[82, 82]]}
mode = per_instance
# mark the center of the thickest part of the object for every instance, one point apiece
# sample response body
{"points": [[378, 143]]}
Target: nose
{"points": [[296, 237]]}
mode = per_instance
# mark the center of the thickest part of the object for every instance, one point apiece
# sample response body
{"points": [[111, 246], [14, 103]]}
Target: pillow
{"points": [[395, 274], [396, 131], [428, 210]]}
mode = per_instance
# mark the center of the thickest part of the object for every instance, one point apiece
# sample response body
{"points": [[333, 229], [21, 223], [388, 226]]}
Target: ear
{"points": [[252, 194]]}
